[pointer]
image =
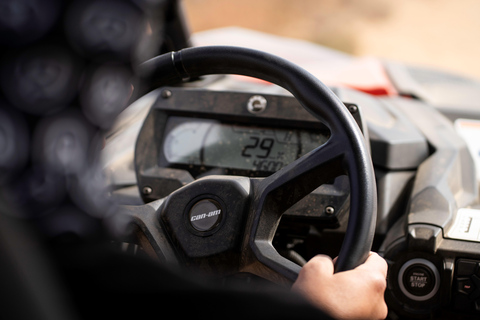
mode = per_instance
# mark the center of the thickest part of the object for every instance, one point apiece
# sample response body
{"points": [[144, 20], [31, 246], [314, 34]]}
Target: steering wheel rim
{"points": [[348, 150]]}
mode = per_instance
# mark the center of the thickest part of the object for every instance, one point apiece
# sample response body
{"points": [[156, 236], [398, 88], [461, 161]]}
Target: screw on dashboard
{"points": [[166, 94], [329, 210], [352, 108], [147, 190]]}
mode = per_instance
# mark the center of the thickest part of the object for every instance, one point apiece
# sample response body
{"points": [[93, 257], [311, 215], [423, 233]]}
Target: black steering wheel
{"points": [[224, 224]]}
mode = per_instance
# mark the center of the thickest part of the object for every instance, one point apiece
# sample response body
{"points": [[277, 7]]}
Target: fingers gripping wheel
{"points": [[344, 153]]}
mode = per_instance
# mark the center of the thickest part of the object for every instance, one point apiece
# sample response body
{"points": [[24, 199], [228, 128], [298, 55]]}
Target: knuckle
{"points": [[378, 282], [381, 283], [318, 262]]}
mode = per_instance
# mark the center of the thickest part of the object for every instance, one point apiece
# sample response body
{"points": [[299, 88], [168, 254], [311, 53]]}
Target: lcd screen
{"points": [[205, 142]]}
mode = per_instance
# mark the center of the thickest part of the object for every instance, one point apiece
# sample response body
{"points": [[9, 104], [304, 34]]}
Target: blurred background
{"points": [[443, 34]]}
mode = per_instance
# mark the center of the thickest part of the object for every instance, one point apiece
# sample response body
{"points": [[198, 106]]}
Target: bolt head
{"points": [[329, 210], [166, 94], [147, 190], [352, 108]]}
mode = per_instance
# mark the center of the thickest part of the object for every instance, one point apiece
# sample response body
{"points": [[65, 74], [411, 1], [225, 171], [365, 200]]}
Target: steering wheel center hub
{"points": [[205, 215]]}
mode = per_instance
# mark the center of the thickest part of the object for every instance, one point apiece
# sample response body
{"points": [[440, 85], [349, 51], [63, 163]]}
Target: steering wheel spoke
{"points": [[144, 227], [275, 194], [287, 186], [267, 263]]}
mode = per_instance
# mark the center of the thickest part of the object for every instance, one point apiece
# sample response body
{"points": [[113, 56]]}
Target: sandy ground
{"points": [[438, 33]]}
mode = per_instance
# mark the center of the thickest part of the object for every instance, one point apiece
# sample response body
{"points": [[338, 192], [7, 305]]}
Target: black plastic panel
{"points": [[466, 287], [443, 183], [395, 142]]}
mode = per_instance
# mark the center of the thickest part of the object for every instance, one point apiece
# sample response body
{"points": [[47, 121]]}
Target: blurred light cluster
{"points": [[66, 72]]}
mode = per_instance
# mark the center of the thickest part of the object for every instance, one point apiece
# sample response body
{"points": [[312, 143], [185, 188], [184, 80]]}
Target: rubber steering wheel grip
{"points": [[314, 96]]}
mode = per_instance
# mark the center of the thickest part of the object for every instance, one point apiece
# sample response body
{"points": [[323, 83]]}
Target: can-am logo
{"points": [[206, 215]]}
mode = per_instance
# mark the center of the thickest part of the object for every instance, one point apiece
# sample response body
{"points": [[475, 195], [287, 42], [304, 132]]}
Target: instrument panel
{"points": [[190, 133]]}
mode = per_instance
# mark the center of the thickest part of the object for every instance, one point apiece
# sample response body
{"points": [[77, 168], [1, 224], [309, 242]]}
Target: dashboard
{"points": [[428, 209]]}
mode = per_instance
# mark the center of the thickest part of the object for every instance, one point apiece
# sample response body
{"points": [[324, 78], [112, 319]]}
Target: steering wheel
{"points": [[225, 224]]}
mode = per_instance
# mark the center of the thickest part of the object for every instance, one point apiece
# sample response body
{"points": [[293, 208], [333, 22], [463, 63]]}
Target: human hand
{"points": [[353, 294]]}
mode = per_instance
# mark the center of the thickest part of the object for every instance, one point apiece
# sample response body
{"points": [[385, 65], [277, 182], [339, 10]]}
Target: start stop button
{"points": [[419, 279], [205, 215]]}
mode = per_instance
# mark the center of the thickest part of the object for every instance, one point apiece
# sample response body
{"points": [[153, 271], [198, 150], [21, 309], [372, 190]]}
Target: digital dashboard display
{"points": [[211, 143]]}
